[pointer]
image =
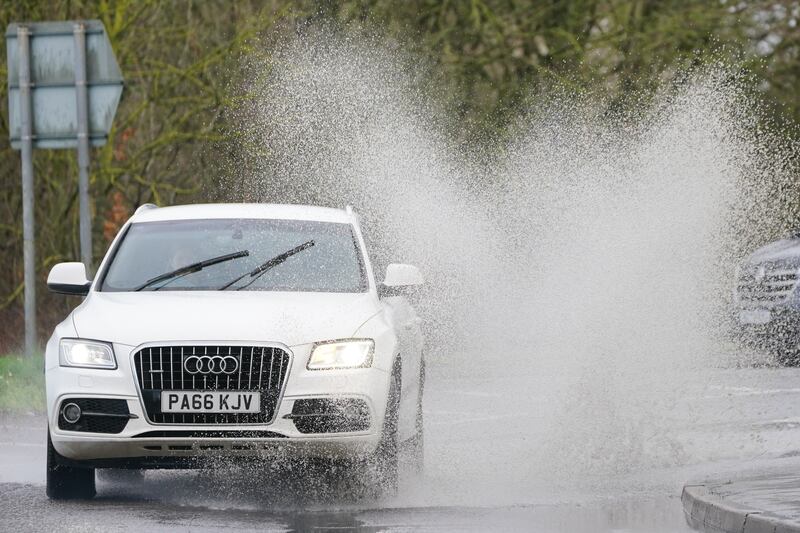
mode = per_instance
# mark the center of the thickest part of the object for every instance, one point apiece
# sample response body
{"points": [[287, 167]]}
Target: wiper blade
{"points": [[194, 267], [266, 265]]}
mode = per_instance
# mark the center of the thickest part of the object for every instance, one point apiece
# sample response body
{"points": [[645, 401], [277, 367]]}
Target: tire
{"points": [[416, 444], [67, 482], [788, 356], [382, 465]]}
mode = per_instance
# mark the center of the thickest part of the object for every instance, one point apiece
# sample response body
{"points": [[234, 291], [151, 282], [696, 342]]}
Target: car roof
{"points": [[264, 211]]}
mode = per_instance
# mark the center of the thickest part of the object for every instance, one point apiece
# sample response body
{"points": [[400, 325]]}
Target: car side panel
{"points": [[406, 325]]}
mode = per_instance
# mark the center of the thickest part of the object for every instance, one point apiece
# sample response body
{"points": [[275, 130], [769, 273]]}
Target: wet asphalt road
{"points": [[473, 481], [121, 509]]}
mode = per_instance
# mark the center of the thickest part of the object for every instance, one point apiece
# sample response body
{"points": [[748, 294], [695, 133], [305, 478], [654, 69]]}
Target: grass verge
{"points": [[22, 384]]}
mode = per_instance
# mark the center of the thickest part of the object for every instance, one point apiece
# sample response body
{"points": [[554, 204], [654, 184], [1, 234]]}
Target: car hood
{"points": [[782, 251], [291, 318]]}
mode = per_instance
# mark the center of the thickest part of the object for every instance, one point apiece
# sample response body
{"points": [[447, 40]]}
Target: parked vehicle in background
{"points": [[233, 330], [767, 301]]}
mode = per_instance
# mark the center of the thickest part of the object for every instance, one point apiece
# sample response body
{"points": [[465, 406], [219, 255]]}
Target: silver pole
{"points": [[26, 138], [82, 108]]}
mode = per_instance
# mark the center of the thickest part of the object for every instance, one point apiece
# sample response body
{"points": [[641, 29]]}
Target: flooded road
{"points": [[120, 510], [479, 476]]}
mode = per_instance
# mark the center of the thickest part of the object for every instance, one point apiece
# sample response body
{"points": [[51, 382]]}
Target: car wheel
{"points": [[67, 482], [416, 444], [788, 356], [382, 465]]}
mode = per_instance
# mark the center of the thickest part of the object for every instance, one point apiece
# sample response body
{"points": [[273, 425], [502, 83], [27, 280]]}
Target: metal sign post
{"points": [[64, 86], [26, 151], [82, 112]]}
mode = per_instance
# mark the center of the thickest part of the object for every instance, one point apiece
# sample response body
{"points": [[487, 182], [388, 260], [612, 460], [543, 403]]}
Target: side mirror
{"points": [[69, 278], [399, 278]]}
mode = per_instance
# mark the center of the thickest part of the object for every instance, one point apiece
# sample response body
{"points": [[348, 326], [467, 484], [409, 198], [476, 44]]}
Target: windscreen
{"points": [[293, 255]]}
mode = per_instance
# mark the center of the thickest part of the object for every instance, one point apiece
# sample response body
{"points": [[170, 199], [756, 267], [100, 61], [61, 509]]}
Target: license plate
{"points": [[210, 402], [755, 316]]}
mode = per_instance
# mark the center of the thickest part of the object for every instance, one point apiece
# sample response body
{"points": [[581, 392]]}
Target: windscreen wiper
{"points": [[194, 267], [266, 265]]}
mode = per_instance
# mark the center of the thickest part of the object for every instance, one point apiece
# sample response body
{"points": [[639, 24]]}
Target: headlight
{"points": [[89, 354], [354, 353]]}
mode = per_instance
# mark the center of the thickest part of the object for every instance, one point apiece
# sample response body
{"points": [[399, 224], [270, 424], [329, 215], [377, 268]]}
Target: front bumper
{"points": [[782, 330], [181, 452], [144, 444]]}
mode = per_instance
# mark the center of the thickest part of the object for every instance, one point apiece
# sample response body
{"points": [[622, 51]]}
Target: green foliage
{"points": [[22, 384], [491, 54], [179, 58], [173, 56]]}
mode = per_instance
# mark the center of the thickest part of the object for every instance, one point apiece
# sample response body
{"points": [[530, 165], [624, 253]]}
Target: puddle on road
{"points": [[237, 513], [122, 508]]}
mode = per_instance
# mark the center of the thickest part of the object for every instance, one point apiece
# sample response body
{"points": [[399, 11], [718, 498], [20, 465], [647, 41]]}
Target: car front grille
{"points": [[260, 368], [766, 284]]}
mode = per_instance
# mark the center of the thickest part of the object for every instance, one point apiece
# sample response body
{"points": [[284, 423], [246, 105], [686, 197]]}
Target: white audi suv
{"points": [[246, 331]]}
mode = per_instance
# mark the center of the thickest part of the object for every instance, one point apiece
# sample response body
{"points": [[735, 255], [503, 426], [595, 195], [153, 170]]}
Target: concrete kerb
{"points": [[708, 512]]}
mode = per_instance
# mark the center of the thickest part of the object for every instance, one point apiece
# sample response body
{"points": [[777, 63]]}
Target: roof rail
{"points": [[145, 207]]}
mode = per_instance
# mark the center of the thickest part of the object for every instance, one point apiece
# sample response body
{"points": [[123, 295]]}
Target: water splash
{"points": [[336, 120], [578, 273]]}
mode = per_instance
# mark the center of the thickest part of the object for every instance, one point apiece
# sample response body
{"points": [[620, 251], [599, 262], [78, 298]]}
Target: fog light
{"points": [[71, 413]]}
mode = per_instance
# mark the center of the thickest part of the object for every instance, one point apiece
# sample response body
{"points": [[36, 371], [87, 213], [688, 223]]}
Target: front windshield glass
{"points": [[149, 249]]}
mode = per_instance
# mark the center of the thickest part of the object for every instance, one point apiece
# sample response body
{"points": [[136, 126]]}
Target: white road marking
{"points": [[746, 391], [21, 444], [27, 428], [474, 419], [470, 393], [791, 420]]}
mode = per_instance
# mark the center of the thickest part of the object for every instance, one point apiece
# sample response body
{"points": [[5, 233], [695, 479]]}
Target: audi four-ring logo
{"points": [[211, 364]]}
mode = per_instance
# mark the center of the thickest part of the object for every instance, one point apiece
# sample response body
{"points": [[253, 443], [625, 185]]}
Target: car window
{"points": [[150, 249]]}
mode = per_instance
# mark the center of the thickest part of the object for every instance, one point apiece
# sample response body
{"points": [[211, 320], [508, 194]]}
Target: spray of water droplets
{"points": [[577, 274]]}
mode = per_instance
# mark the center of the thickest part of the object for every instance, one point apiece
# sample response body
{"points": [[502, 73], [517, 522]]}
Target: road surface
{"points": [[500, 457]]}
